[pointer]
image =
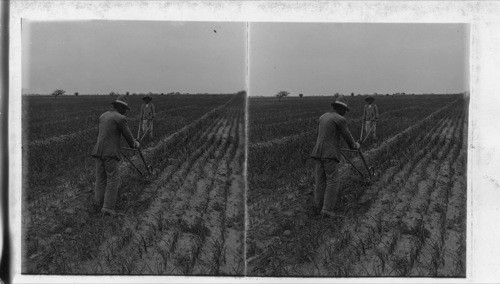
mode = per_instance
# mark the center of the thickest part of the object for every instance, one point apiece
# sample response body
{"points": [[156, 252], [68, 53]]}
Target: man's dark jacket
{"points": [[112, 125], [331, 127]]}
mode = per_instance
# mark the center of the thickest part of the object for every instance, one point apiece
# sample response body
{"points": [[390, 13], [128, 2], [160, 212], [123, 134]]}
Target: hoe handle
{"points": [[145, 131], [139, 129], [368, 133], [352, 164], [143, 160], [364, 161], [362, 128], [132, 163]]}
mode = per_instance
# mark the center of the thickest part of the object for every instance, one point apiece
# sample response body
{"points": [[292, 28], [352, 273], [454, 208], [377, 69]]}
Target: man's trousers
{"points": [[147, 125], [373, 125], [327, 184], [107, 182]]}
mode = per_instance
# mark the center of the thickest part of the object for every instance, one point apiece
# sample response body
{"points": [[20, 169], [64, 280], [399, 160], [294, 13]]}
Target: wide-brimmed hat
{"points": [[341, 100], [147, 98], [370, 99], [122, 100]]}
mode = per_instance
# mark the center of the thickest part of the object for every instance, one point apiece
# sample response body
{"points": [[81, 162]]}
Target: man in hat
{"points": [[112, 125], [370, 118], [147, 115], [326, 153]]}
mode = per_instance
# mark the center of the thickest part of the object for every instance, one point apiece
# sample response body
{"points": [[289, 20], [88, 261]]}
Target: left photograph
{"points": [[133, 142]]}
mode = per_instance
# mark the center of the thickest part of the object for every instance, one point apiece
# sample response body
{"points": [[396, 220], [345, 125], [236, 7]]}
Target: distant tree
{"points": [[386, 94], [162, 94], [58, 93], [76, 94], [242, 93], [282, 94], [352, 94], [301, 95], [127, 93], [112, 93]]}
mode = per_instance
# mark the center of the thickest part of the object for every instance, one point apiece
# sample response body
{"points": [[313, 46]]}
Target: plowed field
{"points": [[410, 220], [188, 219]]}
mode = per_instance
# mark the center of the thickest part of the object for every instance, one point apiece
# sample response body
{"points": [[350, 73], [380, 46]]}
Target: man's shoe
{"points": [[110, 212], [315, 211], [94, 209]]}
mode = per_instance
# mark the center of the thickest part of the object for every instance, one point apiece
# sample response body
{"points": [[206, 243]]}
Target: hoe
{"points": [[149, 169], [148, 174], [145, 131], [361, 139], [370, 172]]}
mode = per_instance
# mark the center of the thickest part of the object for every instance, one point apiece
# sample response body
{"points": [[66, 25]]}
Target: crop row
{"points": [[292, 255], [403, 231], [45, 213], [43, 108], [60, 117], [273, 165], [385, 127], [66, 159], [99, 241], [266, 111], [190, 245]]}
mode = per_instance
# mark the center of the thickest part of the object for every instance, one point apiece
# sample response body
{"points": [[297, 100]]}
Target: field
{"points": [[187, 220], [410, 220]]}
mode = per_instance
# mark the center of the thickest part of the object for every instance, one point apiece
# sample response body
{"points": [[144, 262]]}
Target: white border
{"points": [[483, 236]]}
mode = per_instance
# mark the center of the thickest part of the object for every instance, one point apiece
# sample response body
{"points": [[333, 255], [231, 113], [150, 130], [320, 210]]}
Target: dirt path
{"points": [[410, 221]]}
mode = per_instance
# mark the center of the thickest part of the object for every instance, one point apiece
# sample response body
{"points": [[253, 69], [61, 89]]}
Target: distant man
{"points": [[147, 115], [326, 153], [112, 125], [370, 118]]}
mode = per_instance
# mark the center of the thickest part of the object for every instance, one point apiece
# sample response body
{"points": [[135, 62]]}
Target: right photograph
{"points": [[357, 150]]}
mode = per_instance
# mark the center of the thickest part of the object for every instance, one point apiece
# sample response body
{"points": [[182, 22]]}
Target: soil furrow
{"points": [[375, 221], [141, 226], [404, 260], [453, 245], [211, 256], [234, 215], [186, 220], [380, 228], [431, 255], [196, 209]]}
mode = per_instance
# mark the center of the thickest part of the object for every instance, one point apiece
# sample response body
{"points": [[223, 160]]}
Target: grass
{"points": [[218, 251]]}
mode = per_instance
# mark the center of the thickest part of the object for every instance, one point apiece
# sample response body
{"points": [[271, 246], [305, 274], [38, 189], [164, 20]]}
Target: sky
{"points": [[326, 58], [99, 57]]}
